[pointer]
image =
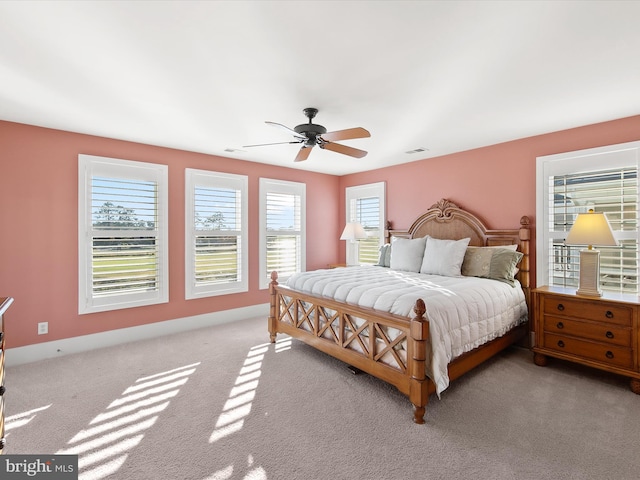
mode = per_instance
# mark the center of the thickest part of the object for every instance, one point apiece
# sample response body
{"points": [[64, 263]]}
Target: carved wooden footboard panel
{"points": [[389, 347]]}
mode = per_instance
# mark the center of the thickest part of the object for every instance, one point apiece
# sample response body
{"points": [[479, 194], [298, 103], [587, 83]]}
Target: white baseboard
{"points": [[56, 348]]}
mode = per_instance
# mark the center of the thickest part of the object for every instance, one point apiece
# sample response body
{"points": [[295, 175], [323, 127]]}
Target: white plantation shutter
{"points": [[216, 233], [125, 244], [365, 205], [282, 226], [368, 215], [122, 234], [283, 233], [606, 180]]}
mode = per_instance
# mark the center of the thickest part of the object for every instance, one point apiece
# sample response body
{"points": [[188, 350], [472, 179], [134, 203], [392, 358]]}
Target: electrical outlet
{"points": [[43, 328]]}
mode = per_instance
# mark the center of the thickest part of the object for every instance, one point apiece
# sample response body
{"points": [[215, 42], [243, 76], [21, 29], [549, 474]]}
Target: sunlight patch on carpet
{"points": [[238, 407], [283, 344], [104, 447], [238, 404], [21, 419], [254, 473]]}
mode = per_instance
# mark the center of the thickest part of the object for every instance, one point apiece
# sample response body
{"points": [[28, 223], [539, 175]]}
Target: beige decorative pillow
{"points": [[477, 261], [504, 264], [498, 263]]}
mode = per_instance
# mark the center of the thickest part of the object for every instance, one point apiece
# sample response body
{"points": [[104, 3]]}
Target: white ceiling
{"points": [[204, 76]]}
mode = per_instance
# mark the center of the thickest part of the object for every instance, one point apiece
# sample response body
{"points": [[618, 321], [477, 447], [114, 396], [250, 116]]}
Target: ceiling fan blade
{"points": [[289, 130], [303, 154], [265, 144], [347, 134], [336, 147]]}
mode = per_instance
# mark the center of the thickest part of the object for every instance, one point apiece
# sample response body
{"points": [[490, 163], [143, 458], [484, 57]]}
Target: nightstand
{"points": [[600, 332]]}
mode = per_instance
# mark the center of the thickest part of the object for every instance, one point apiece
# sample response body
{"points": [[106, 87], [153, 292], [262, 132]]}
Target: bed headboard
{"points": [[446, 220]]}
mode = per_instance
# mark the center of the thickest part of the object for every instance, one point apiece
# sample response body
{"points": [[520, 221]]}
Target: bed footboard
{"points": [[389, 347]]}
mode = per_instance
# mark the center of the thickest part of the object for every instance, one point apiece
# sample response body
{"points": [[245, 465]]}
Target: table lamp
{"points": [[353, 231], [590, 229]]}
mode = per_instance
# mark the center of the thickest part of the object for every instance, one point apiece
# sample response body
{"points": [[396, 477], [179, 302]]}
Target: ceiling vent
{"points": [[417, 150]]}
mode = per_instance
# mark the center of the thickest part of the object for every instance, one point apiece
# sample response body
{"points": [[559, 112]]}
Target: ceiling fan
{"points": [[311, 134]]}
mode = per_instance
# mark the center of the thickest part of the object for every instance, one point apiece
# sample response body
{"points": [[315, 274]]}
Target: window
{"points": [[215, 234], [366, 205], [282, 229], [605, 179], [122, 229]]}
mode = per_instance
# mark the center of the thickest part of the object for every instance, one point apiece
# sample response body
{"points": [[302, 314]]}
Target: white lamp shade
{"points": [[353, 231], [591, 229]]}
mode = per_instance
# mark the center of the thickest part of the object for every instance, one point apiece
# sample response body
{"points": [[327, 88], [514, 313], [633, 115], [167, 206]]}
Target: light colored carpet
{"points": [[222, 403]]}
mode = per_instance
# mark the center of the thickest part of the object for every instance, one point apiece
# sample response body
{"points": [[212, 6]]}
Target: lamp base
{"points": [[589, 273]]}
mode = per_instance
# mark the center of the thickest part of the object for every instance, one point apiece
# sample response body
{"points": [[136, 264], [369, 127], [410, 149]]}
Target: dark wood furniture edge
{"points": [[5, 303]]}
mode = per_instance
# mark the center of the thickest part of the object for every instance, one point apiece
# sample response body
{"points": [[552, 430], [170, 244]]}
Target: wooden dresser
{"points": [[4, 305], [600, 332]]}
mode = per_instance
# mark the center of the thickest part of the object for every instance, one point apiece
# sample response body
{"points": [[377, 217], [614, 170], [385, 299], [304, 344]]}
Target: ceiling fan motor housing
{"points": [[311, 131]]}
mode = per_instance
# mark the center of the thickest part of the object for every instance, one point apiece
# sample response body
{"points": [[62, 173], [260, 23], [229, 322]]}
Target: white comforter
{"points": [[463, 312]]}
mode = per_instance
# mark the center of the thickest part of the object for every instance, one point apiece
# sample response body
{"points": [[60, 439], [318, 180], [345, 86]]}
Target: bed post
{"points": [[524, 273], [418, 386], [273, 313]]}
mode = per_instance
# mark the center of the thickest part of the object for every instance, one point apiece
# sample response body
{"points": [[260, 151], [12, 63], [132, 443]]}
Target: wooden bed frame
{"points": [[331, 326]]}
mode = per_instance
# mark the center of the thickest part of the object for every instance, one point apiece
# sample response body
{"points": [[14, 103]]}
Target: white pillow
{"points": [[444, 257], [406, 254]]}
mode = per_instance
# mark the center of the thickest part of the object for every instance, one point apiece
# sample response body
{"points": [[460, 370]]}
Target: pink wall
{"points": [[38, 194], [496, 182], [39, 240]]}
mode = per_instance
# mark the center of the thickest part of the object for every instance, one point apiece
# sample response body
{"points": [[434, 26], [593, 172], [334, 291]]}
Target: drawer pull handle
{"points": [[560, 307], [609, 354], [560, 325], [560, 343], [609, 314], [2, 390], [609, 334]]}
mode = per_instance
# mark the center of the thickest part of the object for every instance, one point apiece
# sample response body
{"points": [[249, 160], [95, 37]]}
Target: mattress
{"points": [[463, 312]]}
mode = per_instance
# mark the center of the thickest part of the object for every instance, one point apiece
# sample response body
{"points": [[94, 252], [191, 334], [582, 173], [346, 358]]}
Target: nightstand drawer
{"points": [[608, 354], [609, 334], [588, 310]]}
